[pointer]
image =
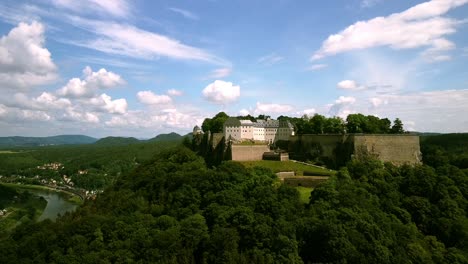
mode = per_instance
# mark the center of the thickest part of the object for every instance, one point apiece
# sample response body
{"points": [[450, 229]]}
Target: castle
{"points": [[335, 149], [268, 131]]}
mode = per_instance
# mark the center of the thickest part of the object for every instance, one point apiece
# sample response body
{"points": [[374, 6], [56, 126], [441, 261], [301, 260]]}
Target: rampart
{"points": [[338, 149], [248, 152]]}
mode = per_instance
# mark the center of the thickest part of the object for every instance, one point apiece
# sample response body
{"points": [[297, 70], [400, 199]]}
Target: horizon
{"points": [[141, 69]]}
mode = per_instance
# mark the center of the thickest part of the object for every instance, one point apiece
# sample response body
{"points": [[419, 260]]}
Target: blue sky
{"points": [[140, 68]]}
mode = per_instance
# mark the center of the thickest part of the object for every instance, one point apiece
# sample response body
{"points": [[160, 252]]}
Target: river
{"points": [[57, 203]]}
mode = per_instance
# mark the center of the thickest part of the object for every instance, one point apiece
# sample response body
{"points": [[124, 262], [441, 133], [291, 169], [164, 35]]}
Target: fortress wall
{"points": [[328, 143], [247, 153], [397, 149]]}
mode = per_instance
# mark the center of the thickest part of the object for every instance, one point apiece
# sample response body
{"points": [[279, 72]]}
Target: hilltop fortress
{"points": [[244, 140]]}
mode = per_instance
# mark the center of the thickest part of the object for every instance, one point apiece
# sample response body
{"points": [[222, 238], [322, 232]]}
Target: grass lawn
{"points": [[277, 166], [304, 193]]}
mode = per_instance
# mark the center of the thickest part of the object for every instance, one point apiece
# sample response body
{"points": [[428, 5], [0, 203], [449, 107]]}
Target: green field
{"points": [[298, 168], [304, 193]]}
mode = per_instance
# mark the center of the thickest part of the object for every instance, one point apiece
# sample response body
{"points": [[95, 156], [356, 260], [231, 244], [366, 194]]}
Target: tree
{"points": [[317, 123], [215, 124], [334, 125], [397, 127], [356, 123]]}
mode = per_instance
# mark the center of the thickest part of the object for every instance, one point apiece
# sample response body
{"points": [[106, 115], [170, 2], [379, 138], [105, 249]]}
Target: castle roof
{"points": [[232, 121]]}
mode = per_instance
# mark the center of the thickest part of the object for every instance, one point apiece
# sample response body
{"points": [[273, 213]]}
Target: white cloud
{"points": [[24, 61], [316, 67], [270, 59], [220, 73], [244, 112], [70, 114], [174, 92], [45, 101], [342, 106], [184, 13], [272, 108], [127, 40], [150, 98], [350, 85], [376, 102], [158, 119], [102, 79], [117, 8], [309, 112], [14, 115], [419, 26], [221, 92], [105, 103]]}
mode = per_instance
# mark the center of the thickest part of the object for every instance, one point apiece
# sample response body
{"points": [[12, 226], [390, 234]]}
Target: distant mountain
{"points": [[167, 137], [117, 141], [45, 141]]}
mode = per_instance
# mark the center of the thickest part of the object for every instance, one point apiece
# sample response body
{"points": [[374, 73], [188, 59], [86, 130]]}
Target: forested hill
{"points": [[167, 137], [174, 209], [117, 141], [45, 141]]}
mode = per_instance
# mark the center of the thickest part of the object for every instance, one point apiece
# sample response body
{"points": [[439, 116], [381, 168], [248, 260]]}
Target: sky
{"points": [[142, 68]]}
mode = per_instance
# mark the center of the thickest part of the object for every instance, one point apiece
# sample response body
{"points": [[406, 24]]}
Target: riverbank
{"points": [[74, 198], [19, 207]]}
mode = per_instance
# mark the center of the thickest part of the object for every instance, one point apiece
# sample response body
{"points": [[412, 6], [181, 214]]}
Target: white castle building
{"points": [[262, 130]]}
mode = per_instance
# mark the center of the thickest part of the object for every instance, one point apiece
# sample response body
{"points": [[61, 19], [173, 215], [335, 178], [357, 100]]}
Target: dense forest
{"points": [[103, 162], [175, 209]]}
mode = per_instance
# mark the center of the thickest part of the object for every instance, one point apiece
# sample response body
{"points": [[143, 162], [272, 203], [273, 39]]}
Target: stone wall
{"points": [[248, 152], [338, 149], [397, 149]]}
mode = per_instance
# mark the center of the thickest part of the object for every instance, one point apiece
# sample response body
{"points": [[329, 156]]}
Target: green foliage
{"points": [[175, 209], [215, 124]]}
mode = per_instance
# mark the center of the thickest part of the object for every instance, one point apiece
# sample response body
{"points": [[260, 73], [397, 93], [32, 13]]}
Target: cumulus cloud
{"points": [[342, 106], [105, 103], [244, 112], [272, 108], [93, 81], [150, 98], [14, 115], [45, 101], [70, 114], [350, 85], [419, 26], [174, 92], [24, 61], [153, 119], [221, 92], [220, 73], [309, 112]]}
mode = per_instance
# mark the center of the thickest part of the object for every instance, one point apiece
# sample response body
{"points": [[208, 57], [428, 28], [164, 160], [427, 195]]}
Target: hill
{"points": [[117, 141], [45, 141], [167, 137], [455, 141]]}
